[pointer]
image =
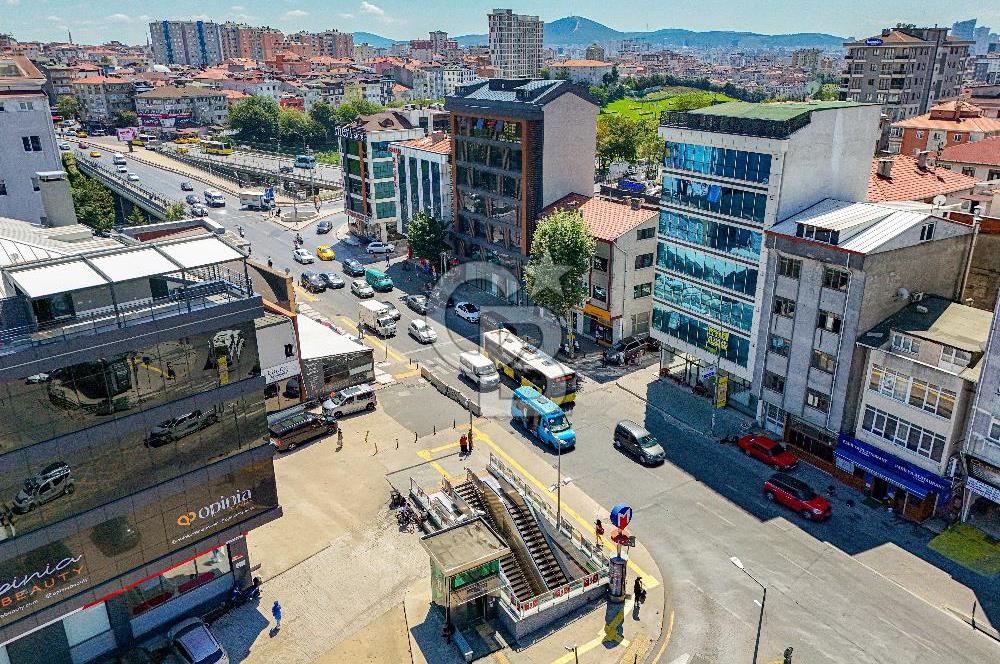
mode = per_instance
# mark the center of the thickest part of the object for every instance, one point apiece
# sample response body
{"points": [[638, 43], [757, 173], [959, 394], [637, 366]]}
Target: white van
{"points": [[118, 160], [478, 369], [305, 161], [214, 198], [349, 400]]}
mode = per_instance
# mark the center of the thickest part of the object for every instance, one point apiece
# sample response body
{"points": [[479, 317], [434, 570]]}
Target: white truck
{"points": [[255, 200], [375, 316]]}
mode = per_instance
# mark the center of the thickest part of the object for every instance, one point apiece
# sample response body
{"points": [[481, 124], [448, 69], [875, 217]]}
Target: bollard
{"points": [[415, 437], [435, 429], [397, 443]]}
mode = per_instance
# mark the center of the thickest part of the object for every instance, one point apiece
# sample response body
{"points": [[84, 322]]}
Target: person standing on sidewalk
{"points": [[638, 593], [340, 438], [463, 446], [276, 612]]}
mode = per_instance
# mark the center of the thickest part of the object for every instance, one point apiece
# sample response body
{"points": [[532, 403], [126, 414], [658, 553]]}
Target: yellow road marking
{"points": [[501, 657], [427, 456], [586, 647], [647, 580], [370, 338], [666, 639], [309, 297], [408, 374]]}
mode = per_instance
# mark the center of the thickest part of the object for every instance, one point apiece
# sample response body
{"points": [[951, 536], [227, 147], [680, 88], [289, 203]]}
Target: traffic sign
{"points": [[621, 515]]}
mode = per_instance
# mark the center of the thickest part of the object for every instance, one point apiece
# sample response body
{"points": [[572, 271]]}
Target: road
{"points": [[694, 512]]}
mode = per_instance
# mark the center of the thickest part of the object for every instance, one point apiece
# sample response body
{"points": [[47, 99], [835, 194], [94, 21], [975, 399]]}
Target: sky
{"points": [[97, 21]]}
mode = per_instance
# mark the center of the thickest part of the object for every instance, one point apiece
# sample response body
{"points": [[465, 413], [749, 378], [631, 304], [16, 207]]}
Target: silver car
{"points": [[421, 331], [362, 289]]}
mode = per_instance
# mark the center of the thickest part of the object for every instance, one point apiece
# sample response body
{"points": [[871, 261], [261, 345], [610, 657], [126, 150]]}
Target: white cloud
{"points": [[296, 13], [120, 18], [345, 15], [238, 8], [13, 3], [52, 18], [376, 11]]}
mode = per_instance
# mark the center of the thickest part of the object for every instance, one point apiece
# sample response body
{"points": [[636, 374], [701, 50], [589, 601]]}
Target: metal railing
{"points": [[154, 202], [725, 124]]}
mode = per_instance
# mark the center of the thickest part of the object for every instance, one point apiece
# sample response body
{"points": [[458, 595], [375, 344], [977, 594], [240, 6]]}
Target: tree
{"points": [[296, 128], [350, 110], [610, 79], [543, 72], [649, 148], [562, 74], [427, 236], [323, 115], [828, 92], [255, 119], [618, 138], [125, 118], [136, 217], [561, 253], [175, 211], [92, 202], [67, 106]]}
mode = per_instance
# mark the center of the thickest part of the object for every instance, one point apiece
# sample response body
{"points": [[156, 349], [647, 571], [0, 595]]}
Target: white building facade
{"points": [[423, 179]]}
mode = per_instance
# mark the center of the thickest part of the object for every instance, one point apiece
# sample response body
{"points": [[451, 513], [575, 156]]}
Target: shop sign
{"points": [[718, 340], [281, 372], [905, 469], [983, 471], [983, 489], [721, 391], [598, 313]]}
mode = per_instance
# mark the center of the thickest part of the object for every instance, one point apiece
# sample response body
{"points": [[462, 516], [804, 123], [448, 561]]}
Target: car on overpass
{"points": [[191, 199], [199, 210], [187, 186], [94, 154], [64, 146]]}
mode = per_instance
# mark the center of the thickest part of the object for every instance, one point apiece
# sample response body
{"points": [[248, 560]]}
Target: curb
{"points": [[976, 626]]}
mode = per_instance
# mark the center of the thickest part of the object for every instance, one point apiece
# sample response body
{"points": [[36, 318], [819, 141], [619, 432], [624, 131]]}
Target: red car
{"points": [[82, 146], [769, 451], [796, 494]]}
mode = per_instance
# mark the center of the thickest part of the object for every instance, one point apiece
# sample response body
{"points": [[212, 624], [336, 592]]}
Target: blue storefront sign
{"points": [[894, 470]]}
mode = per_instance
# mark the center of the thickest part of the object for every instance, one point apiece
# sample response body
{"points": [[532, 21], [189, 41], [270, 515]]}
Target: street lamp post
{"points": [[760, 620], [572, 649]]}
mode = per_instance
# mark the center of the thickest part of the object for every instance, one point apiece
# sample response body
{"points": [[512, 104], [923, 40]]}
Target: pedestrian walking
{"points": [[463, 446], [599, 532], [638, 592], [270, 263], [340, 439], [276, 612], [470, 441]]}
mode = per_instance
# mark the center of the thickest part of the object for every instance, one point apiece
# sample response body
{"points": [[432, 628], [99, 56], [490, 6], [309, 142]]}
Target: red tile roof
{"points": [[606, 219], [986, 151], [583, 63], [908, 182], [437, 142]]}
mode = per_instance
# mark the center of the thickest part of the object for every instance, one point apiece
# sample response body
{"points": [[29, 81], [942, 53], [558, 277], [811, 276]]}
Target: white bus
{"points": [[529, 366]]}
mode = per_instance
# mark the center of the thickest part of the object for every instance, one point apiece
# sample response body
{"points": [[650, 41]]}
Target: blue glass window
{"points": [[695, 332], [714, 198], [436, 189], [720, 162], [733, 240], [718, 271], [703, 301]]}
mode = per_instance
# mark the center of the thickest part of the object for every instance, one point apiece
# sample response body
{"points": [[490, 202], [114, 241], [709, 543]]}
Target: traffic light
{"points": [[788, 656]]}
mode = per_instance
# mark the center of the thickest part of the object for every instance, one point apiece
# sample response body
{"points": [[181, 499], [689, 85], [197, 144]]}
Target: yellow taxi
{"points": [[95, 154], [81, 134], [181, 150], [325, 253]]}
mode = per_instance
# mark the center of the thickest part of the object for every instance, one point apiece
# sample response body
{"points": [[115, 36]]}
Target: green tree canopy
{"points": [[255, 119], [322, 114], [427, 236], [176, 211], [67, 106], [561, 253], [136, 217], [125, 118], [93, 203], [618, 138], [350, 110], [297, 129]]}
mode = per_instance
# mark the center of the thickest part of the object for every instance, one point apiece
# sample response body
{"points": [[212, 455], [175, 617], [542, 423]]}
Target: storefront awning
{"points": [[893, 470], [599, 314]]}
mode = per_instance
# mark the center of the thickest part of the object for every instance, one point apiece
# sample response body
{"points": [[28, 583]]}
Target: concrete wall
{"points": [[521, 629], [570, 140], [17, 167], [829, 158], [987, 403]]}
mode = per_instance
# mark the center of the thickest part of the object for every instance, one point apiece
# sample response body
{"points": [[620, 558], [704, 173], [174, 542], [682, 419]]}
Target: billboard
{"points": [[147, 526], [127, 134]]}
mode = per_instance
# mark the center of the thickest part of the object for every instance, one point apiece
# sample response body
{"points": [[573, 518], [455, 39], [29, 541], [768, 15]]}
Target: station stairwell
{"points": [[530, 568]]}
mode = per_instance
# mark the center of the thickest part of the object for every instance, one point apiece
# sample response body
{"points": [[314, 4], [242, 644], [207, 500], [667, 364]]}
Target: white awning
{"points": [[199, 252], [317, 340], [59, 278], [135, 264]]}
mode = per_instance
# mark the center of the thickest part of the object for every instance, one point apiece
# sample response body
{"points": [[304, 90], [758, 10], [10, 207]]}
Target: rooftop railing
{"points": [[725, 124]]}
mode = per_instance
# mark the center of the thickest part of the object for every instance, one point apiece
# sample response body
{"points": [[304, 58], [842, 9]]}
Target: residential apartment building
{"points": [[192, 43], [28, 140], [330, 43], [518, 147], [584, 72], [980, 160], [981, 454], [454, 77], [907, 70], [133, 446], [364, 52], [515, 43], [620, 282], [369, 172], [423, 178], [806, 58], [922, 366], [58, 80], [948, 123], [831, 273], [595, 52], [101, 96], [731, 171], [172, 106]]}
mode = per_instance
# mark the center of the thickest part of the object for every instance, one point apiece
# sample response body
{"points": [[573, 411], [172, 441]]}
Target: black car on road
{"points": [[332, 280], [417, 303], [312, 282], [354, 268], [324, 226]]}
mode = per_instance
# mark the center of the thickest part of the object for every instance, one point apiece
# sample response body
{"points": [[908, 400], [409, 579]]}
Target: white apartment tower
{"points": [[515, 43]]}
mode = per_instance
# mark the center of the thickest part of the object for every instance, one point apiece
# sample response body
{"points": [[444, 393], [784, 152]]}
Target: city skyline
{"points": [[126, 21]]}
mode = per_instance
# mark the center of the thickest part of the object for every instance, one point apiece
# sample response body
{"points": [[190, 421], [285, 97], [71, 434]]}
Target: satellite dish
{"points": [[903, 294], [939, 200]]}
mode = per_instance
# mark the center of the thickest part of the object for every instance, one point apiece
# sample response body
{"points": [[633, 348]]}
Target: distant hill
{"points": [[377, 41], [580, 31]]}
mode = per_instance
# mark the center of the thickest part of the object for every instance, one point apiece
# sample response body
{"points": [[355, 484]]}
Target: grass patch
{"points": [[969, 547], [670, 99], [328, 158]]}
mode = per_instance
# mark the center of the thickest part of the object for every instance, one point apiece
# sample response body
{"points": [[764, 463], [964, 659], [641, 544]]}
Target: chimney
{"points": [[922, 159], [634, 203], [57, 202], [885, 168]]}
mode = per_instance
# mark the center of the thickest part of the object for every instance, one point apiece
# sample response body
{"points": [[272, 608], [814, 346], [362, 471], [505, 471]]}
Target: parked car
{"points": [[417, 303], [354, 268], [199, 210], [638, 443], [193, 643], [312, 282], [362, 289], [53, 481], [191, 199], [325, 252], [303, 256], [349, 400], [187, 186], [288, 433], [794, 493], [769, 451], [332, 280], [392, 310], [628, 348], [82, 145], [380, 248], [178, 427], [468, 311], [421, 331], [324, 226]]}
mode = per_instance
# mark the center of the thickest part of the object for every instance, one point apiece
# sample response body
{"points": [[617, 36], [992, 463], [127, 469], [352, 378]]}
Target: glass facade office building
{"points": [[713, 211], [134, 459]]}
